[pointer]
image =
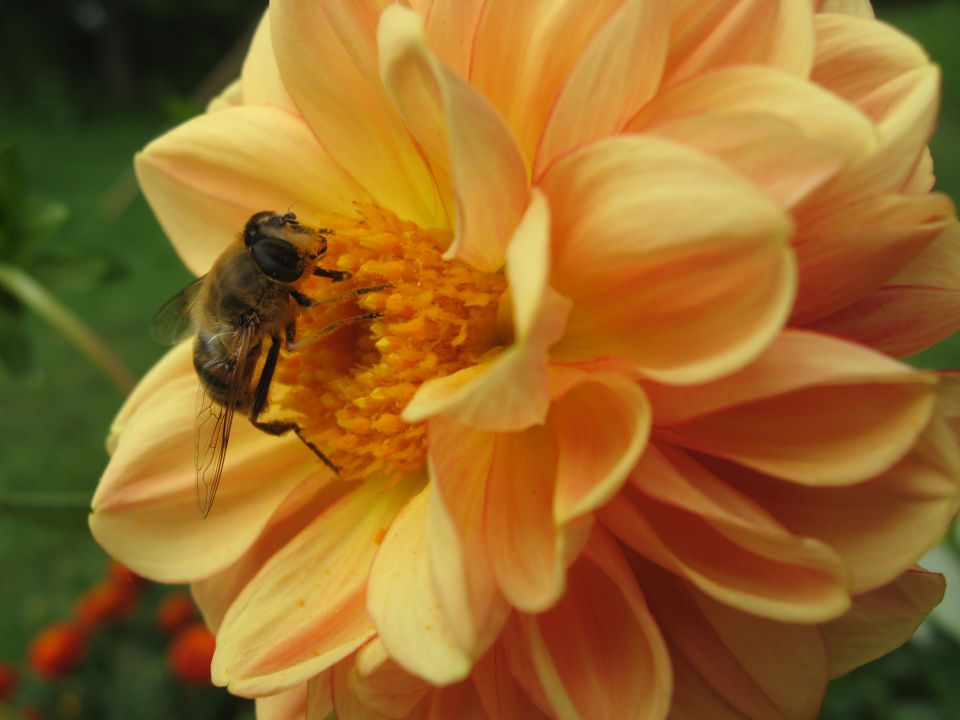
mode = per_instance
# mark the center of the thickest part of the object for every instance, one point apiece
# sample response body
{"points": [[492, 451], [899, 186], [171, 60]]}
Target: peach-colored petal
{"points": [[230, 96], [511, 391], [708, 294], [260, 79], [346, 704], [404, 606], [523, 79], [145, 510], [601, 427], [502, 698], [320, 696], [878, 235], [752, 89], [616, 74], [327, 55], [288, 705], [735, 32], [830, 414], [459, 701], [305, 609], [462, 133], [450, 26], [382, 685], [205, 178], [881, 620], [916, 308], [858, 8], [786, 162], [760, 668], [685, 519], [463, 578], [879, 527], [598, 652]]}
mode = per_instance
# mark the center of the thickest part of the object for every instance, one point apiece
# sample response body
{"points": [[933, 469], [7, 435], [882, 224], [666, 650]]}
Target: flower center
{"points": [[349, 388]]}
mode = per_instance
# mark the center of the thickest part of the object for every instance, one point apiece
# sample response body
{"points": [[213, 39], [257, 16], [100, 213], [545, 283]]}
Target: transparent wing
{"points": [[172, 322], [214, 422]]}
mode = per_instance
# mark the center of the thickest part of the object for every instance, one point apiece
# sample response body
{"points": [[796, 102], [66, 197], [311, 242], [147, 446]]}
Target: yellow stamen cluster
{"points": [[349, 389]]}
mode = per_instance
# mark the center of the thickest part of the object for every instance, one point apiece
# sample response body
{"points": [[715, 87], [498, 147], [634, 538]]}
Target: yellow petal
{"points": [[205, 178], [881, 620], [288, 705], [760, 668], [615, 75], [404, 606], [383, 686], [305, 609], [319, 696], [145, 510], [511, 391], [450, 26], [858, 8], [327, 55], [598, 652], [688, 521], [460, 132], [737, 32], [708, 292], [260, 79]]}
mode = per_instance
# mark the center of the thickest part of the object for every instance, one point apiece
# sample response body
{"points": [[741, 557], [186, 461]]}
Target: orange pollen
{"points": [[435, 317]]}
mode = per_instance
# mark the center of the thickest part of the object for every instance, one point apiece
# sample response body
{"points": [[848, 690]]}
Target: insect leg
{"points": [[335, 275], [333, 327], [260, 402]]}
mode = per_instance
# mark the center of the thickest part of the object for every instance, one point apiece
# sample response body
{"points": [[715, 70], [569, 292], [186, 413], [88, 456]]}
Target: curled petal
{"points": [[687, 520], [404, 606], [462, 133], [206, 177], [145, 509], [510, 391], [813, 410], [708, 294], [327, 56], [726, 658], [881, 620], [305, 609], [598, 652]]}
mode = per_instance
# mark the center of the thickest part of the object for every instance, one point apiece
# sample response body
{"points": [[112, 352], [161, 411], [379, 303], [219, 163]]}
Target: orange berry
{"points": [[57, 649], [8, 681], [191, 652], [175, 611], [109, 600]]}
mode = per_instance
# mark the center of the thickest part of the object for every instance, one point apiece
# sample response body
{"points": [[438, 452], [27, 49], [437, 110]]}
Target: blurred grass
{"points": [[54, 422]]}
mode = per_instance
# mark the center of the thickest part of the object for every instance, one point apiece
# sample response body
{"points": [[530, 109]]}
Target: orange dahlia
{"points": [[625, 438]]}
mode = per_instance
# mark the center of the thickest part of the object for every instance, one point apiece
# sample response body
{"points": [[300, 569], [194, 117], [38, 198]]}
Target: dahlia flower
{"points": [[629, 438]]}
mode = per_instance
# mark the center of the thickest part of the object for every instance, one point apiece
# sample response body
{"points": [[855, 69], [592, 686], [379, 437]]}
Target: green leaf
{"points": [[13, 201], [71, 270]]}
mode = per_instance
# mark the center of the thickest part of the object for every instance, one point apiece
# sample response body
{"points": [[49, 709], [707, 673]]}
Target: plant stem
{"points": [[37, 298]]}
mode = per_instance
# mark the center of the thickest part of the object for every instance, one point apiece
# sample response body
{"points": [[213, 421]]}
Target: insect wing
{"points": [[172, 323], [214, 422]]}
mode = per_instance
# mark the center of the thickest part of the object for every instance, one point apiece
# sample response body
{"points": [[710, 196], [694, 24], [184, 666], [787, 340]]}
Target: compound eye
{"points": [[278, 259]]}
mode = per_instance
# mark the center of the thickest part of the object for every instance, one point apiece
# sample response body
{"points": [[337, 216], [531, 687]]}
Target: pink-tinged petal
{"points": [[288, 705], [709, 295], [601, 427], [833, 415], [502, 697], [879, 527], [460, 132], [404, 606], [305, 609], [205, 178], [598, 653], [511, 391], [463, 578], [327, 55], [878, 235], [882, 620], [915, 309], [383, 686], [857, 8], [523, 79], [775, 154], [688, 521], [260, 79], [767, 91], [450, 26], [145, 510], [757, 667], [617, 73], [737, 32]]}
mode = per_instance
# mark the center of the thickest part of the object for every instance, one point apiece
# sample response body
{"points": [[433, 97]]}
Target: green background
{"points": [[82, 87]]}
